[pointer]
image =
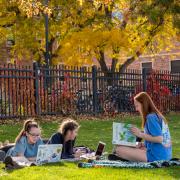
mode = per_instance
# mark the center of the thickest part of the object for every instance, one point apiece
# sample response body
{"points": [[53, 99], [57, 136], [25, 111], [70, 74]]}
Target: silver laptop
{"points": [[49, 153]]}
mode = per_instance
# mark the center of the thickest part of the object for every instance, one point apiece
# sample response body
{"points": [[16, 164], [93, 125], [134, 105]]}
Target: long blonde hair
{"points": [[147, 106]]}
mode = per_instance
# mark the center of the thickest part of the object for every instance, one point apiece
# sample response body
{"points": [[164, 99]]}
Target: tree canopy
{"points": [[83, 30]]}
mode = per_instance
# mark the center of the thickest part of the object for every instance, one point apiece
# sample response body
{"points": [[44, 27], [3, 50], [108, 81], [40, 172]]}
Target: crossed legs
{"points": [[131, 154]]}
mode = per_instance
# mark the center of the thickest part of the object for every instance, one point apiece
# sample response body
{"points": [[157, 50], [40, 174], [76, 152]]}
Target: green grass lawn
{"points": [[91, 132]]}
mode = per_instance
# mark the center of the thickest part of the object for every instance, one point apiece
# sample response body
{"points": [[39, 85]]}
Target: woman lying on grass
{"points": [[66, 136], [26, 143], [157, 140]]}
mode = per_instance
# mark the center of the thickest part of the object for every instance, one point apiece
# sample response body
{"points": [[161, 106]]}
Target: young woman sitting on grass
{"points": [[156, 135], [26, 143], [66, 136]]}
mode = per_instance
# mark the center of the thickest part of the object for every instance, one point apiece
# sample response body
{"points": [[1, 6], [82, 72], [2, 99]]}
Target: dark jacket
{"points": [[67, 151]]}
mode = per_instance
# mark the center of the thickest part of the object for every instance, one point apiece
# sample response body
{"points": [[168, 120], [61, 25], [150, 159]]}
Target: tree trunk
{"points": [[102, 63], [108, 72], [124, 66], [113, 65]]}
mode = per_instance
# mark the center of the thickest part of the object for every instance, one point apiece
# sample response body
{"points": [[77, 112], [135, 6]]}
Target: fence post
{"points": [[94, 86], [36, 87], [144, 78]]}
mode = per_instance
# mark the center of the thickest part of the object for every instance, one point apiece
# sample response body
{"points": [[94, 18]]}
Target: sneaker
{"points": [[114, 157], [2, 156], [10, 164], [175, 159]]}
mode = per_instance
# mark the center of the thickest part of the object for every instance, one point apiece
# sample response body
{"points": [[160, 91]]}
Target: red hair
{"points": [[147, 106]]}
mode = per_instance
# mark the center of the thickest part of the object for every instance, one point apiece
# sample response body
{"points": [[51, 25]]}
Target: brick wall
{"points": [[159, 62]]}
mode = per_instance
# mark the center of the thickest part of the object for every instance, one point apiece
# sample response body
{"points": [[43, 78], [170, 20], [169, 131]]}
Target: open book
{"points": [[22, 161], [122, 135]]}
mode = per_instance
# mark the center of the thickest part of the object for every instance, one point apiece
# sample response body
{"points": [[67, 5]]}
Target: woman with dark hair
{"points": [[27, 141], [156, 135], [66, 136]]}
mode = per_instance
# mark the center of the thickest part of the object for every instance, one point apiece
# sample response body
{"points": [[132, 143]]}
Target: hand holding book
{"points": [[136, 131], [122, 134]]}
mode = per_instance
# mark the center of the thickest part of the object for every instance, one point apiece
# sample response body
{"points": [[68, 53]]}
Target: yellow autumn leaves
{"points": [[81, 30], [32, 7], [87, 44]]}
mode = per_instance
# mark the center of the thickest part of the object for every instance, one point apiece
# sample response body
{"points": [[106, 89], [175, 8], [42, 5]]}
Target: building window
{"points": [[175, 66], [147, 66]]}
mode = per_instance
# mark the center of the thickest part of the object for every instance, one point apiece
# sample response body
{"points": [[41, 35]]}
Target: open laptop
{"points": [[99, 152], [48, 153], [100, 149]]}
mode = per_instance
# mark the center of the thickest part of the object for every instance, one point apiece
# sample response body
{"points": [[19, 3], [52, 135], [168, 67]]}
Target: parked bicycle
{"points": [[118, 99]]}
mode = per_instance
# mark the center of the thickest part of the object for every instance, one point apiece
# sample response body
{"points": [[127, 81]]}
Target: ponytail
{"points": [[28, 124]]}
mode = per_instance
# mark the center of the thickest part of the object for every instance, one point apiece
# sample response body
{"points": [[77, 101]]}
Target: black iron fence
{"points": [[31, 91]]}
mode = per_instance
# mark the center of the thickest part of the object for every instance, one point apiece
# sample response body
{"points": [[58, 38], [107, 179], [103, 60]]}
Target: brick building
{"points": [[167, 61]]}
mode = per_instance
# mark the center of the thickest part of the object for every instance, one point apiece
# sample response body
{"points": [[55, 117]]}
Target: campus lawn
{"points": [[90, 133]]}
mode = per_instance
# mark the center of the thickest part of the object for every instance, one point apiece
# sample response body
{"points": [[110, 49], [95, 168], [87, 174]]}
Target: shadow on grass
{"points": [[54, 164], [173, 172], [9, 171]]}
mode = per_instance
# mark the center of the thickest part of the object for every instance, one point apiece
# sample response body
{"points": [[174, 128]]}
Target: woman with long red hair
{"points": [[156, 135]]}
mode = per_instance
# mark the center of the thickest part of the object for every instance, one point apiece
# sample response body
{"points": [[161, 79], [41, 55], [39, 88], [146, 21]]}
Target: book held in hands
{"points": [[122, 134]]}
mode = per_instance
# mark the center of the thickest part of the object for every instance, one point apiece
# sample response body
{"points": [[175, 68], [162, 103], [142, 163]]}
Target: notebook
{"points": [[122, 135]]}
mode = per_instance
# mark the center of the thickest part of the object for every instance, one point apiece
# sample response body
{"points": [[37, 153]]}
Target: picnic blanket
{"points": [[122, 164]]}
